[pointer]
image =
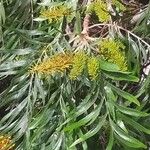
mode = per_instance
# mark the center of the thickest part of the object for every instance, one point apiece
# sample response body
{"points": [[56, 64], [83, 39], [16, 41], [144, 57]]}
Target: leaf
{"points": [[134, 123], [12, 65], [39, 19], [49, 3], [13, 113], [96, 115], [21, 127], [127, 139], [40, 88], [124, 94], [107, 66], [2, 14], [144, 86], [85, 120], [83, 107], [111, 141], [78, 23], [24, 51], [120, 76], [84, 143], [87, 102], [92, 132], [58, 143], [110, 97], [121, 124], [131, 111], [45, 114], [10, 72]]}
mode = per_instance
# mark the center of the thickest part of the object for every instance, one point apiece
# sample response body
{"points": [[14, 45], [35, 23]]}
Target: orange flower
{"points": [[6, 143]]}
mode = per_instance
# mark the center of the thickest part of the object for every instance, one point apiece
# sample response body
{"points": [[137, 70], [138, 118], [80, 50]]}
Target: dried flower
{"points": [[93, 67], [57, 63], [79, 62], [6, 143], [55, 13], [112, 51]]}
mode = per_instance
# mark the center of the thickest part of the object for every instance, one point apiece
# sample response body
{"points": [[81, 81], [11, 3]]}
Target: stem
{"points": [[86, 20], [121, 28], [86, 24]]}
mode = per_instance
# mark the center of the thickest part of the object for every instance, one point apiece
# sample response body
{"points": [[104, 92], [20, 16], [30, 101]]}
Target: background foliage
{"points": [[74, 75]]}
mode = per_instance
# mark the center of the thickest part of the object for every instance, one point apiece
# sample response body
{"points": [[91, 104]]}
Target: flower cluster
{"points": [[109, 49], [74, 62], [93, 67], [100, 9], [79, 62], [58, 63], [6, 143], [112, 51], [55, 13]]}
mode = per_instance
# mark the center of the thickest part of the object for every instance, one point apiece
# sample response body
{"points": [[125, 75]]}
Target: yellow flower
{"points": [[100, 9], [93, 67], [79, 62], [55, 13], [112, 51], [57, 63], [6, 143]]}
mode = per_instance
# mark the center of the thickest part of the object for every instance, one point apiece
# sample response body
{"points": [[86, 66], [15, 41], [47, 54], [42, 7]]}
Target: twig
{"points": [[86, 20], [123, 29], [32, 13], [86, 24]]}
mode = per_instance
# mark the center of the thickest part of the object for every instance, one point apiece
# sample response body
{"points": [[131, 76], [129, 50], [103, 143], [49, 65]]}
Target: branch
{"points": [[86, 20], [86, 24], [123, 29]]}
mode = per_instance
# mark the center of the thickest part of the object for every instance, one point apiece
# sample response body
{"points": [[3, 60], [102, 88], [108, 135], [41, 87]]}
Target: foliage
{"points": [[76, 77]]}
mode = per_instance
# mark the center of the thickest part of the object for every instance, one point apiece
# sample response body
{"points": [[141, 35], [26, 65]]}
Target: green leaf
{"points": [[24, 51], [111, 141], [86, 103], [15, 112], [40, 88], [121, 124], [127, 139], [78, 23], [131, 111], [110, 97], [58, 143], [92, 132], [96, 115], [134, 123], [12, 65], [85, 120], [2, 13], [107, 66], [120, 76], [124, 94], [84, 143], [21, 127], [83, 107]]}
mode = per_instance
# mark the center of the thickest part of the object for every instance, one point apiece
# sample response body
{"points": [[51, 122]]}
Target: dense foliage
{"points": [[74, 75]]}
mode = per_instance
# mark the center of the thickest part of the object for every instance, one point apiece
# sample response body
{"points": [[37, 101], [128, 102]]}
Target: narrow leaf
{"points": [[124, 94]]}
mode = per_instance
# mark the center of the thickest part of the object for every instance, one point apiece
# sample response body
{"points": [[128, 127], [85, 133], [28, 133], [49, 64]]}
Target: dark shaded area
{"points": [[4, 84], [144, 1], [139, 1]]}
